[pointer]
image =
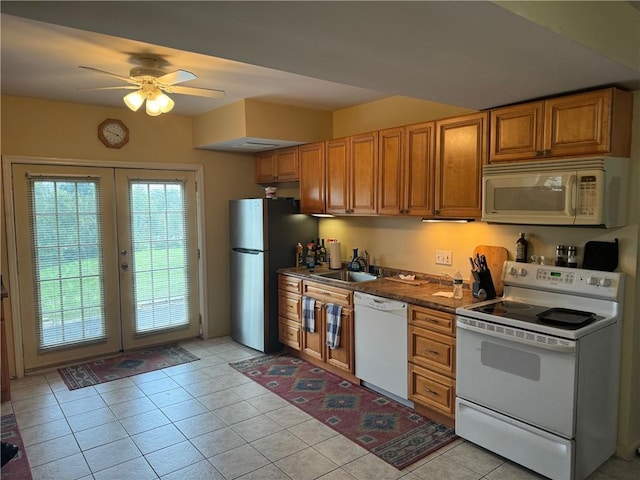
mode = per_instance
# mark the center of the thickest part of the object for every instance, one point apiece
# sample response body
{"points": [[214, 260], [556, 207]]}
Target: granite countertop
{"points": [[418, 292]]}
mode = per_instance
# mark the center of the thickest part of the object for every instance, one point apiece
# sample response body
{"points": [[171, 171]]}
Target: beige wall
{"points": [[42, 128], [406, 243], [390, 112]]}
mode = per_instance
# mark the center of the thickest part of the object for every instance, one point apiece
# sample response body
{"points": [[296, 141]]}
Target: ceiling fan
{"points": [[149, 83]]}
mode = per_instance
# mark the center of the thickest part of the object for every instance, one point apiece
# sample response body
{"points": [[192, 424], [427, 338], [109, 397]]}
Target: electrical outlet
{"points": [[443, 257]]}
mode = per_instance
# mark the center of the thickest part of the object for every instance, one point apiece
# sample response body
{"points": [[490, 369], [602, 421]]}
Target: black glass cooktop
{"points": [[562, 318]]}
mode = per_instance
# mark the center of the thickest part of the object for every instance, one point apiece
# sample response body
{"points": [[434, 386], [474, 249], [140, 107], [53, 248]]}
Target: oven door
{"points": [[524, 375]]}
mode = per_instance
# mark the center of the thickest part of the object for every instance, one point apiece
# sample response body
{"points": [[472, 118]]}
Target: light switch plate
{"points": [[443, 257]]}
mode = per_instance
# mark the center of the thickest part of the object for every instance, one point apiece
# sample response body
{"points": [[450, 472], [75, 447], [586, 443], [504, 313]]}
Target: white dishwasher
{"points": [[381, 345]]}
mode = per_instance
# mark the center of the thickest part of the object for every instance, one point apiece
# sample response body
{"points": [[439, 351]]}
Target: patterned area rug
{"points": [[18, 467], [393, 432], [125, 365]]}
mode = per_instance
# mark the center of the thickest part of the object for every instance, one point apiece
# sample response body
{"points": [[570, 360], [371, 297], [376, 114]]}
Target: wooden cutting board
{"points": [[496, 257]]}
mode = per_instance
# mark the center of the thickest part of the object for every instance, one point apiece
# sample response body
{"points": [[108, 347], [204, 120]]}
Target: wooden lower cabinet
{"points": [[289, 311], [432, 360], [435, 391], [313, 346]]}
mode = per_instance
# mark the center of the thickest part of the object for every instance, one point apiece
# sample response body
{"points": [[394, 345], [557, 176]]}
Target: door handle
{"points": [[124, 266]]}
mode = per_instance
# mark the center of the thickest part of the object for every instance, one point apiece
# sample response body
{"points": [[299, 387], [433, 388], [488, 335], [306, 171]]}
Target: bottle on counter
{"points": [[311, 255], [322, 253], [521, 249], [457, 285], [299, 257]]}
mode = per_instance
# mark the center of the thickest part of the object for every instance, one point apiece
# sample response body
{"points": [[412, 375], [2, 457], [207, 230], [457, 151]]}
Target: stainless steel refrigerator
{"points": [[263, 237]]}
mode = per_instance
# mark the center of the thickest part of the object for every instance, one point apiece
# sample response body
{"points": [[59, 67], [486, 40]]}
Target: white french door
{"points": [[107, 260]]}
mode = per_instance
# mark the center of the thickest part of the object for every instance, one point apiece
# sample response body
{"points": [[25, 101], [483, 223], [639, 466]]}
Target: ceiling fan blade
{"points": [[119, 77], [124, 87], [200, 92], [178, 76]]}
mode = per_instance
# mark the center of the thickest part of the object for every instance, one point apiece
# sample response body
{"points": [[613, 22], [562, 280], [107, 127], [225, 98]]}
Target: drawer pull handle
{"points": [[428, 351], [426, 390]]}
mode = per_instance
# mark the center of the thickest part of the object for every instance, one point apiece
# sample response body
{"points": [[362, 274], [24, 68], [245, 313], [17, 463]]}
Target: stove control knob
{"points": [[592, 280], [605, 282], [523, 272], [513, 271]]}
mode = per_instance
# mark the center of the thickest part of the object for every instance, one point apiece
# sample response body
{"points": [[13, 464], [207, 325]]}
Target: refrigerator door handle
{"points": [[247, 250]]}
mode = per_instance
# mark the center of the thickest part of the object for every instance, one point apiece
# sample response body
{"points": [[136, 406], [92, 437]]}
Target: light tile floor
{"points": [[204, 420]]}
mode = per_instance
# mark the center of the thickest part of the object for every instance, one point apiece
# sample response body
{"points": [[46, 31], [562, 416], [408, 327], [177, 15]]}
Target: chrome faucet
{"points": [[366, 261]]}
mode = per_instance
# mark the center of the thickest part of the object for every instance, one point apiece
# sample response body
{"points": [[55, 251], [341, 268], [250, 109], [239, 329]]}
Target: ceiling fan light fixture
{"points": [[153, 107], [165, 102], [134, 100]]}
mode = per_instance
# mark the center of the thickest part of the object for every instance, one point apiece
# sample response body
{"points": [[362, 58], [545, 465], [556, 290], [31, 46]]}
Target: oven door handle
{"points": [[569, 349]]}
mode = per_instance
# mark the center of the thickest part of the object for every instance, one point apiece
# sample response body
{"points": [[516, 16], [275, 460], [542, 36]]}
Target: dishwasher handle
{"points": [[378, 303]]}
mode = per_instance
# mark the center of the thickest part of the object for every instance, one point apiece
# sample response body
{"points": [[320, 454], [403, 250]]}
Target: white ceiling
{"points": [[323, 55]]}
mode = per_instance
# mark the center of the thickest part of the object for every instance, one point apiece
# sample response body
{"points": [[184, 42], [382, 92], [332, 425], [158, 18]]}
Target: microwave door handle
{"points": [[573, 187]]}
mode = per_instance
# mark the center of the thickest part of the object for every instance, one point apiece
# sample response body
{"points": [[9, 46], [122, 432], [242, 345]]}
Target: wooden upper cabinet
{"points": [[461, 150], [516, 132], [280, 165], [406, 169], [391, 171], [419, 170], [592, 123], [363, 173], [338, 159], [265, 166], [312, 178], [589, 123], [352, 174]]}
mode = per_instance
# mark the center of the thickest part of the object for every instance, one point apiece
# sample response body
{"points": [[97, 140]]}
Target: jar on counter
{"points": [[561, 256], [572, 259]]}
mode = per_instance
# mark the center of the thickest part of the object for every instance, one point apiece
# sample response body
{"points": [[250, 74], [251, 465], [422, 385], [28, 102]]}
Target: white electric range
{"points": [[537, 369]]}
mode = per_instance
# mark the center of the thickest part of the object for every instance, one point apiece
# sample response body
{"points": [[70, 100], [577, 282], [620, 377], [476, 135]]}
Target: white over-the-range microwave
{"points": [[580, 192]]}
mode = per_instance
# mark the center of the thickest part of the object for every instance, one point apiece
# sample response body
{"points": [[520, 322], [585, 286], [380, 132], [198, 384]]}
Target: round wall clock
{"points": [[113, 133]]}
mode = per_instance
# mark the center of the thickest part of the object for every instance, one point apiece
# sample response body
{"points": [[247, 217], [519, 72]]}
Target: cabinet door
{"points": [[461, 153], [433, 351], [338, 156], [265, 167], [286, 165], [516, 132], [343, 356], [313, 344], [391, 172], [312, 178], [419, 169], [289, 333], [578, 124], [363, 173], [290, 306], [431, 389]]}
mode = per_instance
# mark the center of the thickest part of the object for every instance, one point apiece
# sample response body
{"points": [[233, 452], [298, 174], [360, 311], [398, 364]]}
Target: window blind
{"points": [[66, 243], [160, 246]]}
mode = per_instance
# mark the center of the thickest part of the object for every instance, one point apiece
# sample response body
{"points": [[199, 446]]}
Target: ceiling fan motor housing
{"points": [[149, 67]]}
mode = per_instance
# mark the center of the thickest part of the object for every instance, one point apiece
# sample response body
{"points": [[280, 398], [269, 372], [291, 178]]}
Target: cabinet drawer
{"points": [[290, 284], [289, 333], [433, 320], [289, 305], [429, 388], [432, 350], [328, 294]]}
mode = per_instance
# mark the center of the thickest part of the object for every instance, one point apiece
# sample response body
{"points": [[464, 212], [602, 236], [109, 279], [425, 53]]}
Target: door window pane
{"points": [[159, 255], [65, 242]]}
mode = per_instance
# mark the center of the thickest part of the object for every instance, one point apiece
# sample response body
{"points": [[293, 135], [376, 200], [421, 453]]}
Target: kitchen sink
{"points": [[347, 276]]}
